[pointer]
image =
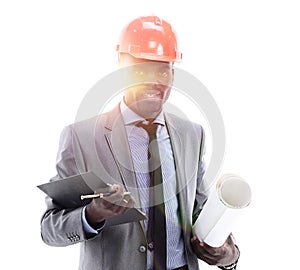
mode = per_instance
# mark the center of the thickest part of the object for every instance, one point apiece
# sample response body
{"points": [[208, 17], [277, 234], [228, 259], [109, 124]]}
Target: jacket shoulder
{"points": [[183, 123]]}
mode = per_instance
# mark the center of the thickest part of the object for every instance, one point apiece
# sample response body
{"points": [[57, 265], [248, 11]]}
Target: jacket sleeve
{"points": [[201, 192], [59, 226]]}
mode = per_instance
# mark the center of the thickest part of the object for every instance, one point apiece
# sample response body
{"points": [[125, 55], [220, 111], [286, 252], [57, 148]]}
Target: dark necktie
{"points": [[156, 232]]}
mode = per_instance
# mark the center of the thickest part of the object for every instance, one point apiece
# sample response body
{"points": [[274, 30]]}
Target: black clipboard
{"points": [[66, 192]]}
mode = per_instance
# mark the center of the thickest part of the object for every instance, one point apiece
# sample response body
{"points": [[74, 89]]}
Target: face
{"points": [[149, 84]]}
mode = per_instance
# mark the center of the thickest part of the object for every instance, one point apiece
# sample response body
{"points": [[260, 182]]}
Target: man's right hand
{"points": [[103, 208]]}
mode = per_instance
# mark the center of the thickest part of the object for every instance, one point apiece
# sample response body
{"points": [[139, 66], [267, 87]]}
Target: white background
{"points": [[245, 52]]}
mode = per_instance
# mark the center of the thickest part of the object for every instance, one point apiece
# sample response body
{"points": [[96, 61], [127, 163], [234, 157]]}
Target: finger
{"points": [[116, 196], [195, 240], [197, 247], [203, 255], [131, 203], [107, 204], [123, 205], [229, 241], [116, 205], [127, 200], [214, 251], [215, 255], [203, 250], [101, 192], [113, 208]]}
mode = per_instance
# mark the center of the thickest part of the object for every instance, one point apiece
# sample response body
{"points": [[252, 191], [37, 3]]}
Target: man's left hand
{"points": [[220, 256]]}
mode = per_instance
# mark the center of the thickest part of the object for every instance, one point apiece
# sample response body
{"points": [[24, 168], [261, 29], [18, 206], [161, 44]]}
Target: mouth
{"points": [[153, 93]]}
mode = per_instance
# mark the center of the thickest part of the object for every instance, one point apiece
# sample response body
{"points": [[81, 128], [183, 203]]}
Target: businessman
{"points": [[156, 157]]}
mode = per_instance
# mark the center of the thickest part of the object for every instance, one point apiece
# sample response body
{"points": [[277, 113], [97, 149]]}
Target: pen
{"points": [[100, 195]]}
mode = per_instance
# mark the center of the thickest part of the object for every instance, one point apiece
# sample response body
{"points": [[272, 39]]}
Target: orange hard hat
{"points": [[150, 38]]}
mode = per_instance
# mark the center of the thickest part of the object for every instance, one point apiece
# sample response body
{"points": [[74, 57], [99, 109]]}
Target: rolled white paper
{"points": [[224, 205]]}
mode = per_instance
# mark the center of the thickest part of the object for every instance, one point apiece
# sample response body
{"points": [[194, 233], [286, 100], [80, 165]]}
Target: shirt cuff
{"points": [[87, 227]]}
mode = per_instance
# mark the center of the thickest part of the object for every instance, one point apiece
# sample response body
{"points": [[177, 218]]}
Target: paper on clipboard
{"points": [[228, 199], [66, 192]]}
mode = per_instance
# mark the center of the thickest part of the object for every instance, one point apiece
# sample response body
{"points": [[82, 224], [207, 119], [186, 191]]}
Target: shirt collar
{"points": [[130, 117]]}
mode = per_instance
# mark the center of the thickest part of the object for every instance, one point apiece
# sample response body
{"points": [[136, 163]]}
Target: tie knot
{"points": [[151, 129]]}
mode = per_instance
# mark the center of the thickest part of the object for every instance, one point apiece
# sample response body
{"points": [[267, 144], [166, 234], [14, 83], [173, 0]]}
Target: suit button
{"points": [[142, 249], [150, 246]]}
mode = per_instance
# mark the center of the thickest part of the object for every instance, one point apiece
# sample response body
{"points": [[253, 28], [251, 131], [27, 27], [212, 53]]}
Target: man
{"points": [[156, 156]]}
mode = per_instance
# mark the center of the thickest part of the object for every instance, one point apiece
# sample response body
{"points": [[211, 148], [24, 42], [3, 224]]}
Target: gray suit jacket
{"points": [[100, 145]]}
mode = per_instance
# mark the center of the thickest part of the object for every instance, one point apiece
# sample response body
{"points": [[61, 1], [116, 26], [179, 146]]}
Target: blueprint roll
{"points": [[225, 204]]}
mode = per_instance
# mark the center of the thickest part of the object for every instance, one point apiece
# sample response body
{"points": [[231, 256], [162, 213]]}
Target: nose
{"points": [[157, 85]]}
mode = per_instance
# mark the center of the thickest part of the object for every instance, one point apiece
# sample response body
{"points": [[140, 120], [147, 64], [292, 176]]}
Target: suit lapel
{"points": [[178, 143], [116, 137]]}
